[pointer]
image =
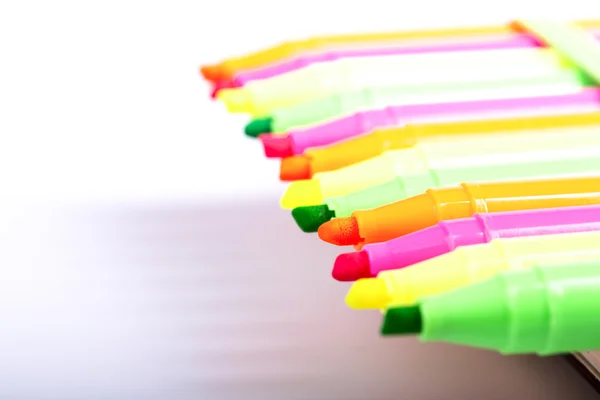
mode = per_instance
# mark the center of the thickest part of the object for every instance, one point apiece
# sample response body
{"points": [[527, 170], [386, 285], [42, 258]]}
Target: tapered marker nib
{"points": [[311, 217], [302, 193], [211, 72], [295, 168], [368, 293], [402, 321], [349, 267], [236, 100], [258, 126], [340, 231], [276, 146]]}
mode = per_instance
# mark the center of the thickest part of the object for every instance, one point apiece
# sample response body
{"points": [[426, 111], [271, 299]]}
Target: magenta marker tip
{"points": [[349, 267]]}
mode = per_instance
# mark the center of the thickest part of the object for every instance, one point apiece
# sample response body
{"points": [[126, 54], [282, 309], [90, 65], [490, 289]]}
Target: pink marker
{"points": [[297, 141], [516, 41], [448, 235]]}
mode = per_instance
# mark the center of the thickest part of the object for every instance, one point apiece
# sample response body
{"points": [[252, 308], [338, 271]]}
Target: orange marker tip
{"points": [[295, 168], [340, 231], [211, 72]]}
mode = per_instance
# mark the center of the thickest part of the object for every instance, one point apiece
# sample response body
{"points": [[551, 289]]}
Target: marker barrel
{"points": [[322, 80], [336, 149], [517, 41], [228, 68], [446, 236], [411, 185], [551, 308], [308, 114], [427, 209], [471, 264], [473, 151]]}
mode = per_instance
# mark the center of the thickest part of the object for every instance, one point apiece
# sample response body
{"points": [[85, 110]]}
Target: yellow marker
{"points": [[469, 264], [514, 141]]}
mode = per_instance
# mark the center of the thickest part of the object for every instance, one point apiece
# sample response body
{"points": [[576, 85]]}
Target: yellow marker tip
{"points": [[236, 100], [369, 293], [302, 193]]}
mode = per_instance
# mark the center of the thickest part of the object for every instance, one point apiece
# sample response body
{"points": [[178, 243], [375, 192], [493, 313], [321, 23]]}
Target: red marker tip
{"points": [[340, 231], [276, 146], [349, 267]]}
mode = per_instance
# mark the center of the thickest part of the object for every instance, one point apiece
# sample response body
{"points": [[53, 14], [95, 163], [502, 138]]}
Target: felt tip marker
{"points": [[517, 41], [321, 80], [307, 115], [502, 42], [446, 236], [467, 265], [550, 308], [427, 209], [228, 68], [537, 138], [310, 218], [385, 123], [335, 151]]}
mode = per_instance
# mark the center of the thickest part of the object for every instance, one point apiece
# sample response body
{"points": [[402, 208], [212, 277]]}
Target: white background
{"points": [[143, 253]]}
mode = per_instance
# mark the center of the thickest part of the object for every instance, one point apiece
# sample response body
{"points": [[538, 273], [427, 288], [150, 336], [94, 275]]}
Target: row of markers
{"points": [[462, 165]]}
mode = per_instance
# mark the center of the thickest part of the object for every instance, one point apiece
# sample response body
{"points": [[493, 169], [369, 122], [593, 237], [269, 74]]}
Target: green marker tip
{"points": [[402, 321], [309, 218], [258, 126]]}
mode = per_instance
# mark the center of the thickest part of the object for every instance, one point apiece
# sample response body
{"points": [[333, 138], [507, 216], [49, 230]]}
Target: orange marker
{"points": [[227, 69], [546, 112], [427, 209]]}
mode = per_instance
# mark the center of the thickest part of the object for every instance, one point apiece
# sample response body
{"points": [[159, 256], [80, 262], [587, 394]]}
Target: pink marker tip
{"points": [[277, 146], [349, 267]]}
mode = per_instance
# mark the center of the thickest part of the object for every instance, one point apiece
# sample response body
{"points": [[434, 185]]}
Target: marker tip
{"points": [[236, 100], [370, 293], [350, 267], [276, 146], [340, 231], [302, 193], [309, 218], [258, 126], [402, 321], [211, 72], [295, 168]]}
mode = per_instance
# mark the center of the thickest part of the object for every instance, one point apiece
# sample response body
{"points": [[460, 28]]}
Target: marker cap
{"points": [[408, 250], [292, 88], [378, 195], [547, 309], [457, 268], [360, 148], [287, 119]]}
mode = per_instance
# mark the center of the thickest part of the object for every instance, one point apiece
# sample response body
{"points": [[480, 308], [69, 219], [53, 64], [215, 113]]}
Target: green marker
{"points": [[311, 217], [549, 309], [283, 119], [256, 127]]}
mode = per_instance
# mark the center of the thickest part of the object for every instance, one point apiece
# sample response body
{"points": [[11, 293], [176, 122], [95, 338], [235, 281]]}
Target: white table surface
{"points": [[144, 255]]}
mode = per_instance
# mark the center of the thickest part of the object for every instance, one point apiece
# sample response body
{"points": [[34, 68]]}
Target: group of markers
{"points": [[463, 165]]}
